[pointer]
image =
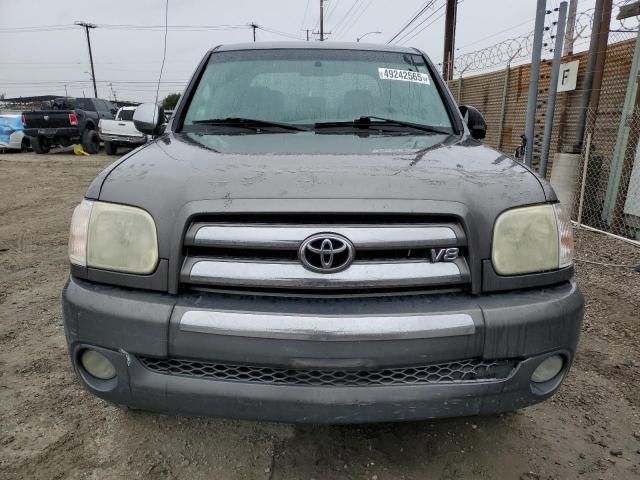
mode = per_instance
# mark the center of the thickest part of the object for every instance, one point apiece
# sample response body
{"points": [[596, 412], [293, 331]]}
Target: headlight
{"points": [[532, 239], [113, 237]]}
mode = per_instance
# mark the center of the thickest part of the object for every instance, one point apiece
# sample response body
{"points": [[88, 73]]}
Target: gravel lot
{"points": [[51, 428]]}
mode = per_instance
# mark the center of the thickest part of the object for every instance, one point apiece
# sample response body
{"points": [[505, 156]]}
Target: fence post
{"points": [[505, 87], [533, 81], [503, 111], [460, 83], [553, 87], [583, 184]]}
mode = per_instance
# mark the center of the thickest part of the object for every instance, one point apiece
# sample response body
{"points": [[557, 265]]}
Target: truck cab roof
{"points": [[375, 47]]}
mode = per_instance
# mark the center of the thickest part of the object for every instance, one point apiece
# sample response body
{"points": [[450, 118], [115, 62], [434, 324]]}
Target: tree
{"points": [[170, 101], [2, 96]]}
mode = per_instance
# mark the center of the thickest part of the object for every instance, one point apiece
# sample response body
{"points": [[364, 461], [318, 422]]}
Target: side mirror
{"points": [[475, 121], [113, 111], [149, 118]]}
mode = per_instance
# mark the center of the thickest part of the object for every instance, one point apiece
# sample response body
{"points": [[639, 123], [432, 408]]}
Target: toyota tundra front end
{"points": [[319, 236]]}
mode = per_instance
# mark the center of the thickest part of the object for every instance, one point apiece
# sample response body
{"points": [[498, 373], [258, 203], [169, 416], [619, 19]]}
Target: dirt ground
{"points": [[51, 428]]}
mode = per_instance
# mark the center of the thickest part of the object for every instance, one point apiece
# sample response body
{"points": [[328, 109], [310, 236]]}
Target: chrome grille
{"points": [[471, 370], [222, 254]]}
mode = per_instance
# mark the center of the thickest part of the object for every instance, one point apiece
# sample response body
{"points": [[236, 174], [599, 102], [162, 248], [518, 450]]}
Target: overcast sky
{"points": [[41, 51]]}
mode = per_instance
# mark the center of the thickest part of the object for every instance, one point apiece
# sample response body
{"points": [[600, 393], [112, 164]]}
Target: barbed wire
{"points": [[495, 55], [584, 21]]}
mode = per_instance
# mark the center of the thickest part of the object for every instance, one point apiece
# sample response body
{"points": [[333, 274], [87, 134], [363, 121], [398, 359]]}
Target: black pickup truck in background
{"points": [[69, 121]]}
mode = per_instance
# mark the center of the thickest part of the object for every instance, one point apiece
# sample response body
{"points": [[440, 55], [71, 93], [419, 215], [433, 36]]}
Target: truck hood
{"points": [[350, 173]]}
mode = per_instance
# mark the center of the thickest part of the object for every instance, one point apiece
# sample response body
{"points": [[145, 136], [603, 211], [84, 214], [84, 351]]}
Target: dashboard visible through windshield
{"points": [[300, 89]]}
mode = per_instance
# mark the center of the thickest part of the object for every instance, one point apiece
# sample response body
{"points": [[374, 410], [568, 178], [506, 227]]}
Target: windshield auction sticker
{"points": [[403, 75]]}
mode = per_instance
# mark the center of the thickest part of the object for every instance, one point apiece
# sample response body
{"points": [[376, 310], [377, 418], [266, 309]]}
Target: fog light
{"points": [[97, 364], [548, 369]]}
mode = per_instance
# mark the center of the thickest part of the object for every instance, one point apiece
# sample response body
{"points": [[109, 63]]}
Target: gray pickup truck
{"points": [[318, 235]]}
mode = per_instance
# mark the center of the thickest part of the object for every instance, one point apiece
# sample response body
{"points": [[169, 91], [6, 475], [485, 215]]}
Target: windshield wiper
{"points": [[373, 121], [250, 123]]}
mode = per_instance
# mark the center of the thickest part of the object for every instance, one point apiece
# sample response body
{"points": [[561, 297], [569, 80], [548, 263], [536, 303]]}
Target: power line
{"points": [[173, 27], [422, 9], [348, 19], [304, 17], [164, 50], [336, 27], [416, 29], [43, 28], [404, 41], [280, 33], [527, 22], [355, 18], [105, 26], [331, 10]]}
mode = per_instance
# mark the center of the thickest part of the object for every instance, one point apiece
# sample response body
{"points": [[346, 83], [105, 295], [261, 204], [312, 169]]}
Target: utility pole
{"points": [[88, 26], [66, 94], [588, 77], [254, 26], [571, 28], [308, 30], [322, 20], [322, 33], [113, 92], [449, 39], [603, 39]]}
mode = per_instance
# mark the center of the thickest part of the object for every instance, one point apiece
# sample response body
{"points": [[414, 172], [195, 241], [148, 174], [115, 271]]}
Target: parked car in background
{"points": [[12, 133], [120, 132], [69, 121]]}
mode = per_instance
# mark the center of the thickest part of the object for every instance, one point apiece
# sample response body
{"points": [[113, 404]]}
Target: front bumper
{"points": [[72, 132], [130, 325]]}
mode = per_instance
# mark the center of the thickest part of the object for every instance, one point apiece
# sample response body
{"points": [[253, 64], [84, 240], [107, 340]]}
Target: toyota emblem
{"points": [[326, 253]]}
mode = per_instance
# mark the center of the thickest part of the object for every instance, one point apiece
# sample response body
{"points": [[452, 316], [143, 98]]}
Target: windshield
{"points": [[311, 86], [126, 115]]}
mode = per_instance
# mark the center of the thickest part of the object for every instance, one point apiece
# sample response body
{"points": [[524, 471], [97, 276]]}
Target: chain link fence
{"points": [[609, 195]]}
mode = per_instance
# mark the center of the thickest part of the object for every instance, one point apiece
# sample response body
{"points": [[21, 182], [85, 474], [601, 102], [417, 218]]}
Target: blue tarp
{"points": [[8, 125]]}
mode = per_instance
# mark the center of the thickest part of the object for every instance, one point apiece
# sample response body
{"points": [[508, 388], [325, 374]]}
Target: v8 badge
{"points": [[444, 254]]}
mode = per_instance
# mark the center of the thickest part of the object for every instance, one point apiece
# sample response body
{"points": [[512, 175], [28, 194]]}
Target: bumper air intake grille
{"points": [[452, 372]]}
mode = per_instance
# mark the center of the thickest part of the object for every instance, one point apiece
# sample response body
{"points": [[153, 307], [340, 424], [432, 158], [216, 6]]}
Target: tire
{"points": [[40, 145], [110, 148], [90, 141]]}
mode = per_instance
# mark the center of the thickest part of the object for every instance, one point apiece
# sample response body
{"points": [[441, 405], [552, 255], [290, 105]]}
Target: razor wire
{"points": [[495, 55]]}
